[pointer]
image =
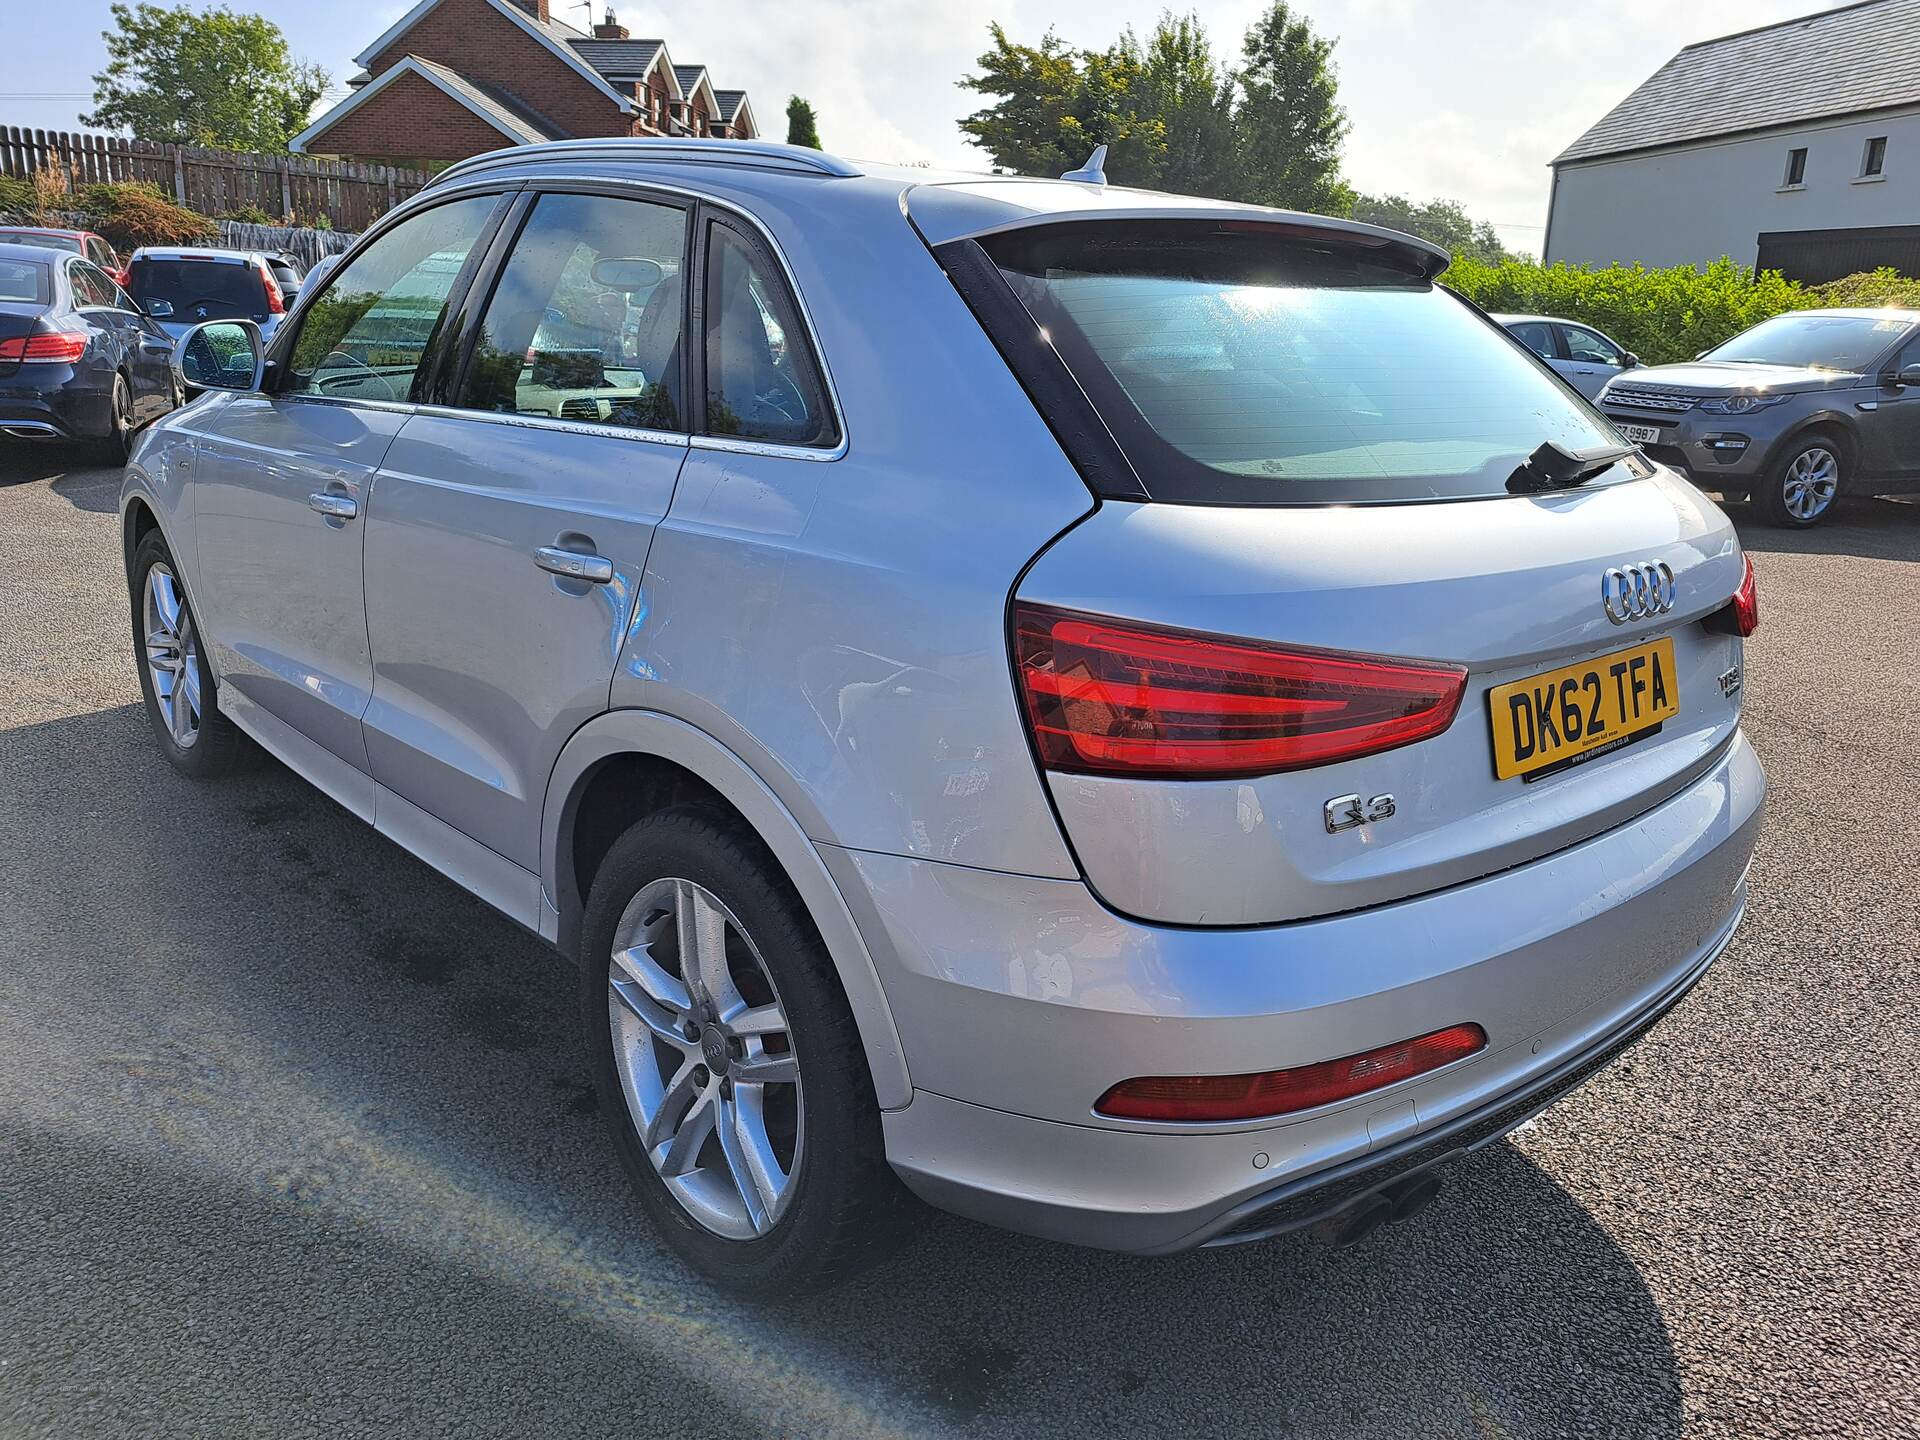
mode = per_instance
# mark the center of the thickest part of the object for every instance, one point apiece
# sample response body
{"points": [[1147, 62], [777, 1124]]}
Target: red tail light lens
{"points": [[1119, 697], [63, 346], [1746, 601], [275, 305], [1282, 1092]]}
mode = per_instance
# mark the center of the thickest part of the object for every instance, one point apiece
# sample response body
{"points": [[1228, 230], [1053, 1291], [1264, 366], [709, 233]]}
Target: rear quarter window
{"points": [[23, 282], [1236, 364]]}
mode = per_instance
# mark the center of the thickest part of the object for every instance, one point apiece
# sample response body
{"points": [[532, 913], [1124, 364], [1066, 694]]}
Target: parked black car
{"points": [[78, 359]]}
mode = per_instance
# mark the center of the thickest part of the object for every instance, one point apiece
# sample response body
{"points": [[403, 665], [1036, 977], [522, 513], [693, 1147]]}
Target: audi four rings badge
{"points": [[1638, 592]]}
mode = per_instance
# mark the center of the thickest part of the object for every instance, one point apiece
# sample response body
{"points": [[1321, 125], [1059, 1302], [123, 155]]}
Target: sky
{"points": [[1466, 100]]}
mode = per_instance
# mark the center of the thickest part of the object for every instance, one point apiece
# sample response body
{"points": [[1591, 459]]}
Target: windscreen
{"points": [[23, 282], [201, 289], [1238, 364], [1847, 343]]}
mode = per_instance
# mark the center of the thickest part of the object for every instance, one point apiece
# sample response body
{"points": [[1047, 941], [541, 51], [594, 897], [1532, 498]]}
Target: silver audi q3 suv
{"points": [[1140, 720]]}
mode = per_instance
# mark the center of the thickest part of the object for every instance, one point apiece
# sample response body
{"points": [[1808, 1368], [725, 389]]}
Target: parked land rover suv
{"points": [[1140, 720], [1792, 413]]}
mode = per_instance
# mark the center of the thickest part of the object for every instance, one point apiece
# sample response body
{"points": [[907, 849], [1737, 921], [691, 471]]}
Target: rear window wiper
{"points": [[1554, 467]]}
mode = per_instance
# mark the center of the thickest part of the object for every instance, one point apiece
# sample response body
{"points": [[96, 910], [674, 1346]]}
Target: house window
{"points": [[1874, 160], [1796, 168]]}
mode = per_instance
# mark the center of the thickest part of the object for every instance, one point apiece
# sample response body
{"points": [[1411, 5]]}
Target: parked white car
{"points": [[1581, 355]]}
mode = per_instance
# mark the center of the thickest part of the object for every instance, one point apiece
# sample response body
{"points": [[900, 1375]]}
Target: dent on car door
{"points": [[511, 524], [283, 478]]}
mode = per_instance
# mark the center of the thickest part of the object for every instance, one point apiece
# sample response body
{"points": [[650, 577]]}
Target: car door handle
{"points": [[334, 507], [572, 565]]}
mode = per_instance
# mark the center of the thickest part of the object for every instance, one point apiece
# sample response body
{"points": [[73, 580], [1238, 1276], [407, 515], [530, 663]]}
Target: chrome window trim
{"points": [[675, 438], [537, 182], [769, 447]]}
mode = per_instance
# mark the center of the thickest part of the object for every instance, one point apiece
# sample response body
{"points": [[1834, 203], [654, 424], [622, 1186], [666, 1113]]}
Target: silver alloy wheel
{"points": [[173, 655], [706, 1061], [1813, 479]]}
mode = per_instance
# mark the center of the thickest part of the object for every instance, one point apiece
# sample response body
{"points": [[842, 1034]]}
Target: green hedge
{"points": [[1660, 315]]}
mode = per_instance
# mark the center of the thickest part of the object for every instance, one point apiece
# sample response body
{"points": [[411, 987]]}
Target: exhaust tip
{"points": [[1388, 1205]]}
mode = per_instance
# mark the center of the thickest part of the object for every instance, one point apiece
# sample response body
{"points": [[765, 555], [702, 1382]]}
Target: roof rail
{"points": [[755, 154]]}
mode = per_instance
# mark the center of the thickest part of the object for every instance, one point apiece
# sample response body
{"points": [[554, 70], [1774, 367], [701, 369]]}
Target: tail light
{"points": [[58, 346], [1268, 1093], [1741, 614], [275, 305], [1124, 698], [1746, 601]]}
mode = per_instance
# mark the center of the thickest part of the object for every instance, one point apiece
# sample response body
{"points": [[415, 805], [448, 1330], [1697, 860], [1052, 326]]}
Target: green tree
{"points": [[802, 128], [1289, 126], [211, 78], [1188, 101], [1444, 222], [1171, 116]]}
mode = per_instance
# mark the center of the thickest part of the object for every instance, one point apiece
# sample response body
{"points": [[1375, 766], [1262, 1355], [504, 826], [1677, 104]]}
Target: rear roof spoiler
{"points": [[946, 212]]}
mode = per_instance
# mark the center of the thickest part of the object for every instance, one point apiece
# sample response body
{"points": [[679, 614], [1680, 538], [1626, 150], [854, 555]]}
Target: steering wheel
{"points": [[357, 363]]}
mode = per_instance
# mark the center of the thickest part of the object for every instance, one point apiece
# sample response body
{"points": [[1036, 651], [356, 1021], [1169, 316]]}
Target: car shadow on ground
{"points": [[1867, 526], [338, 1060]]}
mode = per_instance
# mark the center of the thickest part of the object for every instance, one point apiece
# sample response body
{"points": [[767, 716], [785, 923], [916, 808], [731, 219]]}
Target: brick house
{"points": [[453, 78]]}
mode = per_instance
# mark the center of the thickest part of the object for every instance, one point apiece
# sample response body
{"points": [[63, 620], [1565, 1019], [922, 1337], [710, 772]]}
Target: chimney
{"points": [[535, 8], [610, 29]]}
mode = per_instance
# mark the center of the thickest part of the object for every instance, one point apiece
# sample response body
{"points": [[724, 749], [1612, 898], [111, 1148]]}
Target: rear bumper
{"points": [[54, 406], [1020, 1001]]}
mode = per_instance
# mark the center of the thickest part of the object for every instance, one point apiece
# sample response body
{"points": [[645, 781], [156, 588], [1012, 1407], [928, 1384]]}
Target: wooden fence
{"points": [[216, 182]]}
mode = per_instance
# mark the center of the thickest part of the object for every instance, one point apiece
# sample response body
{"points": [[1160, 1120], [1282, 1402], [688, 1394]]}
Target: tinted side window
{"points": [[1586, 346], [90, 288], [585, 322], [1537, 337], [762, 382], [366, 335]]}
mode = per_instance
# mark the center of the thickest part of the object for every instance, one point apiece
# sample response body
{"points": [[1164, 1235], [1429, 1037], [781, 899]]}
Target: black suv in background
{"points": [[1792, 413]]}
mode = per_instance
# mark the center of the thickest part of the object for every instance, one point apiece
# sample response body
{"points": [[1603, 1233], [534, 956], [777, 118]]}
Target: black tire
{"points": [[118, 444], [217, 746], [1786, 497], [847, 1208]]}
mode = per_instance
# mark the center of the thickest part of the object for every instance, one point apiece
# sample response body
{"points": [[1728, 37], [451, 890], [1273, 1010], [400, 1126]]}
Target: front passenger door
{"points": [[1592, 360], [284, 477], [510, 525], [1890, 420]]}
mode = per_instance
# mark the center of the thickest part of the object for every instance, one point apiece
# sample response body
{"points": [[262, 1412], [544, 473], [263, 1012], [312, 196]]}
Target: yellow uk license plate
{"points": [[1561, 715]]}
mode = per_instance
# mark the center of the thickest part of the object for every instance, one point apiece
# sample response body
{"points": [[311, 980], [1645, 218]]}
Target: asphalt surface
{"points": [[296, 1138]]}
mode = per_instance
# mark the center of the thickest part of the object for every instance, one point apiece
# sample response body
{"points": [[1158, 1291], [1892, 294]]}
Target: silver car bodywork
{"points": [[821, 637]]}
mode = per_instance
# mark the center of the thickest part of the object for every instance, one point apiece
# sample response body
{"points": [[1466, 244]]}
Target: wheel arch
{"points": [[1839, 425], [622, 765]]}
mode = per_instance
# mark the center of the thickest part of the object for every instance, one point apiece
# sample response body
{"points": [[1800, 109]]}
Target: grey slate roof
{"points": [[495, 102], [729, 102], [617, 59], [1864, 56], [689, 77]]}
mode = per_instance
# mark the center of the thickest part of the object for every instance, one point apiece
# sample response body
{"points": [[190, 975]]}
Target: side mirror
{"points": [[159, 309], [221, 355], [1909, 375], [1629, 361]]}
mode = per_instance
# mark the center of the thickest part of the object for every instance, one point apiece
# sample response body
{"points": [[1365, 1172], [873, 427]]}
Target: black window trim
{"points": [[280, 347], [758, 245], [463, 329]]}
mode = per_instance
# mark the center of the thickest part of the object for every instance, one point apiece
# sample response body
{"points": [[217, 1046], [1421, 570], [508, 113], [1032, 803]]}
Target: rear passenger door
{"points": [[511, 520]]}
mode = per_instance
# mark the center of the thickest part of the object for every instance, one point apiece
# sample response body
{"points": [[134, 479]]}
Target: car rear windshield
{"points": [[201, 289], [40, 237], [1847, 343], [23, 282], [1238, 363]]}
